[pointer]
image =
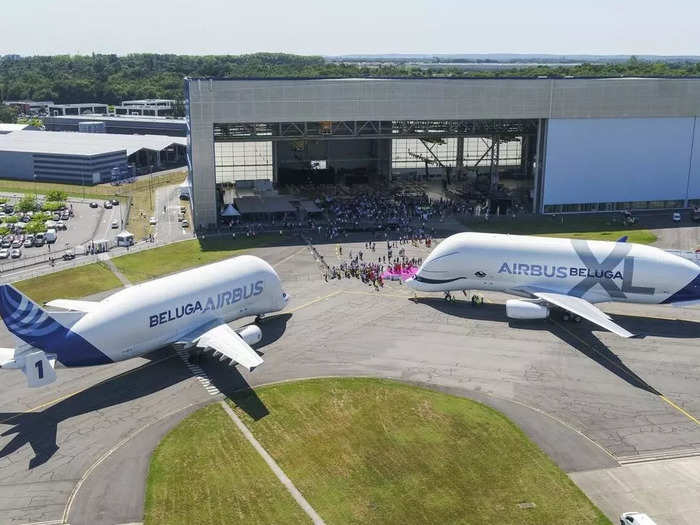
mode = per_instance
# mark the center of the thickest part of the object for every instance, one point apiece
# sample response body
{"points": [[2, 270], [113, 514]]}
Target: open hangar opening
{"points": [[480, 159], [555, 145]]}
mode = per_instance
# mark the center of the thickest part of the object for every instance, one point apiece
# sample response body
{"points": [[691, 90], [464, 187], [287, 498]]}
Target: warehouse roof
{"points": [[9, 128], [118, 118], [70, 143]]}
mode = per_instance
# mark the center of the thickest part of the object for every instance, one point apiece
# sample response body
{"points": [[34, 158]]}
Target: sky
{"points": [[337, 27]]}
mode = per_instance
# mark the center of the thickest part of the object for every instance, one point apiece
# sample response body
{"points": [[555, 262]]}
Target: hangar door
{"points": [[607, 164]]}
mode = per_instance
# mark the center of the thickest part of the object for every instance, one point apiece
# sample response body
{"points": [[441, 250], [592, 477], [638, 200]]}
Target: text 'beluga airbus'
{"points": [[549, 272], [189, 309]]}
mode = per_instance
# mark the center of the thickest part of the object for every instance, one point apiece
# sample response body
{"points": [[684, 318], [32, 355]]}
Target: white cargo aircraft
{"points": [[191, 309], [570, 274]]}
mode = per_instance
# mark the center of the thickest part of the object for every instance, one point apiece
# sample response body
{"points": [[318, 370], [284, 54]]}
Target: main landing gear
{"points": [[568, 317]]}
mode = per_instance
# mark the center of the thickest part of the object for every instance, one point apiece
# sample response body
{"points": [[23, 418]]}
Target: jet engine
{"points": [[251, 334], [519, 309]]}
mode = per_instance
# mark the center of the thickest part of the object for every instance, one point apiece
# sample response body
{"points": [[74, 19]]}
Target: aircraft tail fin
{"points": [[623, 239], [28, 321]]}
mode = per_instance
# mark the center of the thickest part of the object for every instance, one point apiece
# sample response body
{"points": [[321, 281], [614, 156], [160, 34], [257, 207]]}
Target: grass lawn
{"points": [[179, 256], [205, 471], [369, 451], [598, 227], [70, 284], [638, 236]]}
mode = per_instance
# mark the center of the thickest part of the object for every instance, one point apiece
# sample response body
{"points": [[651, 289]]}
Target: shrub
{"points": [[52, 206], [27, 203], [56, 196]]}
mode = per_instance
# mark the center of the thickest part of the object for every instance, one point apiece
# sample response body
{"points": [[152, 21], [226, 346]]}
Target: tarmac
{"points": [[619, 415]]}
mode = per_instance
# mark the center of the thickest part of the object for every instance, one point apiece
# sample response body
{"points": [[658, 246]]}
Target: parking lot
{"points": [[79, 222]]}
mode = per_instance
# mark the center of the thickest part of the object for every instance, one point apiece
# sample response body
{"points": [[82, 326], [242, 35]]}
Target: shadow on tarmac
{"points": [[39, 429], [578, 336]]}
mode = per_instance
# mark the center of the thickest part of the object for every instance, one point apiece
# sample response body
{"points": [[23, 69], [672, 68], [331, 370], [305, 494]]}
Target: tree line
{"points": [[112, 78]]}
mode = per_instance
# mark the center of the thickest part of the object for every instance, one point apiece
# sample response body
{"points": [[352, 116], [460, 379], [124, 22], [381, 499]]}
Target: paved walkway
{"points": [[105, 258]]}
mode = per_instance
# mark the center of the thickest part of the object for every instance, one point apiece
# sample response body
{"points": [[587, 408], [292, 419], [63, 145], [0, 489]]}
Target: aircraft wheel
{"points": [[566, 317], [577, 319]]}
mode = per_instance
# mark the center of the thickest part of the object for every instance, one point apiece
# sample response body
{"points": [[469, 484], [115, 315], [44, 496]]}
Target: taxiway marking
{"points": [[58, 399], [614, 365]]}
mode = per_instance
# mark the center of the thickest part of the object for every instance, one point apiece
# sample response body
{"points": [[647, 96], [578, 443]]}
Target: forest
{"points": [[112, 78]]}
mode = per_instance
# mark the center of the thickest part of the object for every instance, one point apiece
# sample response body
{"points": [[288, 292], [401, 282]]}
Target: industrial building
{"points": [[85, 158], [127, 124], [150, 106], [557, 145]]}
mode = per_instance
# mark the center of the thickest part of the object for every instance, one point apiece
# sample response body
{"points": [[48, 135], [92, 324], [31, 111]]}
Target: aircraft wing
{"points": [[226, 341], [583, 308], [76, 306]]}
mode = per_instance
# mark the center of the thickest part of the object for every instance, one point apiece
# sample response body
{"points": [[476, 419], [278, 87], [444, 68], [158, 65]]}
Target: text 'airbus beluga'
{"points": [[549, 272], [190, 309]]}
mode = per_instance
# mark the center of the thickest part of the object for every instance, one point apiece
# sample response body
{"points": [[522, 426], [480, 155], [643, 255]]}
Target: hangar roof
{"points": [[71, 143], [375, 99]]}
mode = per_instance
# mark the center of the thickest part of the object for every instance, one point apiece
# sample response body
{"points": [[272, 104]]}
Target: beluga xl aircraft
{"points": [[189, 309], [570, 274]]}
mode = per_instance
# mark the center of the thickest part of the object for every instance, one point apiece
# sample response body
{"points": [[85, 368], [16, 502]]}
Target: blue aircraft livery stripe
{"points": [[36, 327], [690, 292]]}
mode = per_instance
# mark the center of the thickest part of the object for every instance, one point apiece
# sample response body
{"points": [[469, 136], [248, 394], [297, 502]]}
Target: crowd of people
{"points": [[371, 268]]}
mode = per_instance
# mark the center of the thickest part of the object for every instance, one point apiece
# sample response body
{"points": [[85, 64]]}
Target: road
{"points": [[168, 228], [590, 399]]}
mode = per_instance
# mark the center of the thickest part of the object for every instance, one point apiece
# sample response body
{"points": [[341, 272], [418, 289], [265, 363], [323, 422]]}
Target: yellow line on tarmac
{"points": [[614, 365], [66, 396], [318, 299], [290, 256], [682, 411]]}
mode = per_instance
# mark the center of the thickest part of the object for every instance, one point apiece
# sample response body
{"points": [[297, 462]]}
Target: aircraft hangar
{"points": [[554, 145]]}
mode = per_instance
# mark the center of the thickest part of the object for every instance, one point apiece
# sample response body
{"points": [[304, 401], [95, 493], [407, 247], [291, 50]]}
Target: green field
{"points": [[599, 227], [363, 451], [70, 284], [179, 256], [187, 484]]}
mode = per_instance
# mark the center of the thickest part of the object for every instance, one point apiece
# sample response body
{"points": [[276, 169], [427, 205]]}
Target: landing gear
{"points": [[259, 318], [566, 316], [477, 300], [196, 356]]}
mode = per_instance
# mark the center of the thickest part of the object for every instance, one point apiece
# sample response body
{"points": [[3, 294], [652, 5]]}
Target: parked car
{"points": [[152, 221], [636, 518], [676, 216], [15, 253], [28, 242], [56, 216], [6, 242], [50, 236], [60, 225], [115, 224], [185, 224], [39, 239], [9, 208], [94, 205], [4, 253], [17, 243], [108, 205], [26, 218], [115, 202], [68, 255], [65, 215], [180, 217]]}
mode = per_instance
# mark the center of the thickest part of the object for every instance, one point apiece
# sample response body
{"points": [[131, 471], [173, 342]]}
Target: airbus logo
{"points": [[561, 272], [215, 302]]}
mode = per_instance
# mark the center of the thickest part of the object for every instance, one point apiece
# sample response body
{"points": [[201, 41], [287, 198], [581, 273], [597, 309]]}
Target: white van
{"points": [[50, 236], [636, 518]]}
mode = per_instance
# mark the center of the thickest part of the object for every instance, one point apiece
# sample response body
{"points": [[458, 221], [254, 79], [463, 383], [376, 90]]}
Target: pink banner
{"points": [[403, 273]]}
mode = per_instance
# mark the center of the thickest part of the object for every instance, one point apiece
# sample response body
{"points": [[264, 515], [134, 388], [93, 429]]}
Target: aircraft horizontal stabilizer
{"points": [[72, 304], [583, 308]]}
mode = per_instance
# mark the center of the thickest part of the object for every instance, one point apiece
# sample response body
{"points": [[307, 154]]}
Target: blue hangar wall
{"points": [[604, 164]]}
